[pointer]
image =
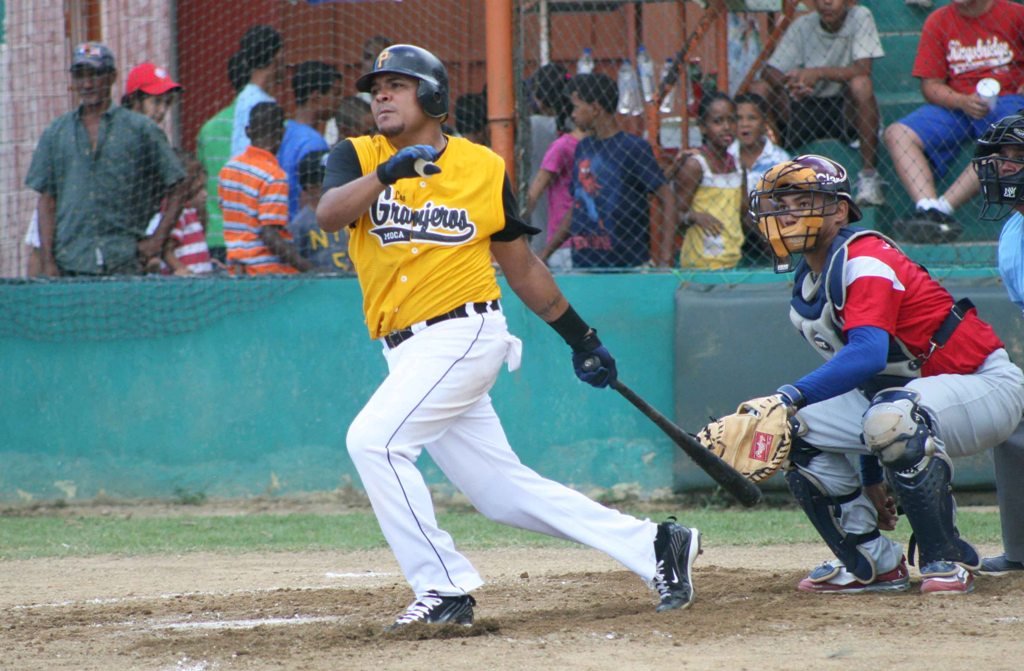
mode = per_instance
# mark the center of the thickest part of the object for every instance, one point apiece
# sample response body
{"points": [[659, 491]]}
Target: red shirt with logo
{"points": [[963, 50]]}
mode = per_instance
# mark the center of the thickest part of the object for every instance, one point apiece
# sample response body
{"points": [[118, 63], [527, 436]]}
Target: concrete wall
{"points": [[252, 384], [243, 387]]}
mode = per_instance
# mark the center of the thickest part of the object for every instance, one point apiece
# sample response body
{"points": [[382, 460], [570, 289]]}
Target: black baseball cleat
{"points": [[432, 608], [675, 549]]}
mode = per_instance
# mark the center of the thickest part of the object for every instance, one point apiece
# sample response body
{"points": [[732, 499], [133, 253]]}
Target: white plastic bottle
{"points": [[629, 90], [645, 67], [668, 103], [585, 64]]}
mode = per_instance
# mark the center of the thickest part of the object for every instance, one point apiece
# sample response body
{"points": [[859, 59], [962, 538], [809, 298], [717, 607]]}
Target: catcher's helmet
{"points": [[822, 177], [1001, 177], [412, 61]]}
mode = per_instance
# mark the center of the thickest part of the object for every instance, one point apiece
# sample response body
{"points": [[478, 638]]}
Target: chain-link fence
{"points": [[644, 161]]}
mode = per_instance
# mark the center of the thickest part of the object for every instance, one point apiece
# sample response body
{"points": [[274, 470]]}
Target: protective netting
{"points": [[682, 80], [119, 308]]}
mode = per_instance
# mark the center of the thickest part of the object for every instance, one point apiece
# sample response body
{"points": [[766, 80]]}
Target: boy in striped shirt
{"points": [[253, 192], [186, 251]]}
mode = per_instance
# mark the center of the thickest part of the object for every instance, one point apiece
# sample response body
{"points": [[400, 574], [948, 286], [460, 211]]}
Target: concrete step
{"points": [[896, 16]]}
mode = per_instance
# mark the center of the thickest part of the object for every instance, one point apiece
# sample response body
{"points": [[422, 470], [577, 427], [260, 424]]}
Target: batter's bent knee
{"points": [[365, 438]]}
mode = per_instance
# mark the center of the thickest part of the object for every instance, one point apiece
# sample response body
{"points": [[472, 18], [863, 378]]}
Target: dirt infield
{"points": [[542, 608]]}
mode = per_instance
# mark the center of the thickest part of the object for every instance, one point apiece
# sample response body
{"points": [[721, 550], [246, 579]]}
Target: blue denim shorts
{"points": [[944, 132]]}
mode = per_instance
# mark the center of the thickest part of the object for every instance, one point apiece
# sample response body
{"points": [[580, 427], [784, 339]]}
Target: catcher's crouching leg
{"points": [[920, 474], [832, 514], [825, 511]]}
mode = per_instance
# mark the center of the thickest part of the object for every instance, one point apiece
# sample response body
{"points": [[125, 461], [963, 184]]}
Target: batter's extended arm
{"points": [[530, 278]]}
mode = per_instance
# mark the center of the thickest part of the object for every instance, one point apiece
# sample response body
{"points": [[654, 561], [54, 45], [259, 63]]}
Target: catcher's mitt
{"points": [[755, 440]]}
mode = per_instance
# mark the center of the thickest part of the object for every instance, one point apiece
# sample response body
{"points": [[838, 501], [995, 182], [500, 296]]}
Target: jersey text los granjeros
{"points": [[396, 222], [423, 247]]}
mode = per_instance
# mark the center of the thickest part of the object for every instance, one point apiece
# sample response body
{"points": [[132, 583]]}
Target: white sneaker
{"points": [[868, 190], [945, 577], [833, 578]]}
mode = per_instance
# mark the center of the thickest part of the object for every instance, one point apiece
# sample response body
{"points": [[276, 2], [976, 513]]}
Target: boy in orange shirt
{"points": [[253, 191]]}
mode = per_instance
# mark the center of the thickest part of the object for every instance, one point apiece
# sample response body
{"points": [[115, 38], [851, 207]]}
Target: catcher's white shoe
{"points": [[833, 578], [945, 577]]}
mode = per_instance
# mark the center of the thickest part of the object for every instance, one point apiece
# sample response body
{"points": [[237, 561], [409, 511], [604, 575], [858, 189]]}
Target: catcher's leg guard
{"points": [[825, 513], [899, 431], [926, 497]]}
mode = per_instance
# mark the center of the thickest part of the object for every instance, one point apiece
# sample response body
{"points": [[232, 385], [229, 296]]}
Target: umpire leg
{"points": [[1009, 464]]}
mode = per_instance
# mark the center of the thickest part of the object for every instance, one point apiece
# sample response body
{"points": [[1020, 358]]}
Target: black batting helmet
{"points": [[1001, 192], [412, 61]]}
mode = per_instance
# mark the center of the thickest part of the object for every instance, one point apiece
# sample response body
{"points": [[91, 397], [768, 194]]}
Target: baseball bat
{"points": [[745, 491]]}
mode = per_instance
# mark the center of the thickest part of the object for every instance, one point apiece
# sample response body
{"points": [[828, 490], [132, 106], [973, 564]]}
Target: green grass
{"points": [[24, 537]]}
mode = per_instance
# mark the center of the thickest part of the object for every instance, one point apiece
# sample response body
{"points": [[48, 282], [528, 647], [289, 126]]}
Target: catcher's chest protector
{"points": [[818, 300]]}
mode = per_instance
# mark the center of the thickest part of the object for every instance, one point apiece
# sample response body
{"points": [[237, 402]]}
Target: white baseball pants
{"points": [[436, 397]]}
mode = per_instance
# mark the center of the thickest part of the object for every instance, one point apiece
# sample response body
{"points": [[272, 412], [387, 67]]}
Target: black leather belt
{"points": [[396, 338]]}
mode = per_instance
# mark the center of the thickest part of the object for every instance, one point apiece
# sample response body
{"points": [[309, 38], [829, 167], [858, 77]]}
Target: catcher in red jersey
{"points": [[912, 377], [425, 213]]}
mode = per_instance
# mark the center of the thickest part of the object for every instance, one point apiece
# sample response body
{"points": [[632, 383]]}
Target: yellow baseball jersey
{"points": [[423, 248]]}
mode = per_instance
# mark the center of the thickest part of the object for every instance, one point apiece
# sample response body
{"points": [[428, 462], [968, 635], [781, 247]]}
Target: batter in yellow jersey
{"points": [[427, 212], [424, 247]]}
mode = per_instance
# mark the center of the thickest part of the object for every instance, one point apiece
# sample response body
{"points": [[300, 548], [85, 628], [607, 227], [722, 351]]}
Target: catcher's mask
{"points": [[788, 229], [416, 62], [1001, 177]]}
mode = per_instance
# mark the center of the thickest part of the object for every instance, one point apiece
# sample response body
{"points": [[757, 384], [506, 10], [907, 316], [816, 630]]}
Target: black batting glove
{"points": [[415, 161], [593, 363]]}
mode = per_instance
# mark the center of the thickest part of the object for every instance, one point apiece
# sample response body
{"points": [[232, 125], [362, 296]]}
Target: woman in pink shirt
{"points": [[555, 177]]}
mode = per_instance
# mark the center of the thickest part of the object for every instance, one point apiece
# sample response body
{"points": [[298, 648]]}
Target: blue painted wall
{"points": [[234, 388], [238, 387]]}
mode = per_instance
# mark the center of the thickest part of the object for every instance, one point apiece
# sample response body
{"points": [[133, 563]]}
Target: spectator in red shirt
{"points": [[186, 251], [961, 44]]}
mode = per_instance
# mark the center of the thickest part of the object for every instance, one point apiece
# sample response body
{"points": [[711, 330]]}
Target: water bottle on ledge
{"points": [[585, 64], [645, 67], [629, 90], [668, 103]]}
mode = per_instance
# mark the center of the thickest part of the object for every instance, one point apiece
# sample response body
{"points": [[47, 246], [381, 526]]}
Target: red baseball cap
{"points": [[150, 79]]}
